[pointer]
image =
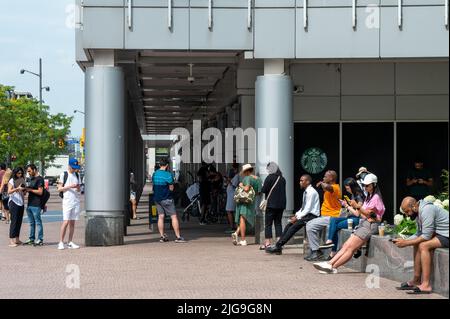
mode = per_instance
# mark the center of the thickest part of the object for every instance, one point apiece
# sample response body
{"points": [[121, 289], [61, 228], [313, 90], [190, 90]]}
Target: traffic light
{"points": [[61, 143], [13, 158]]}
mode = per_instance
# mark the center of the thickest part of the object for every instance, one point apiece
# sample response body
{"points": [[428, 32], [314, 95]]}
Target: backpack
{"points": [[66, 176], [45, 197]]}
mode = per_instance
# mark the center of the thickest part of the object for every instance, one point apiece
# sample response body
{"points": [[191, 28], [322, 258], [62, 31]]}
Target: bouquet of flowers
{"points": [[404, 227]]}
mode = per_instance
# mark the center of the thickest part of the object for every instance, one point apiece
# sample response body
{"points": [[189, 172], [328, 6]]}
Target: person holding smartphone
{"points": [[371, 215], [35, 189], [432, 232], [352, 205], [16, 192]]}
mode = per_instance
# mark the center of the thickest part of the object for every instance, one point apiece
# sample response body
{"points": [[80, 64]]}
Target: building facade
{"points": [[360, 83]]}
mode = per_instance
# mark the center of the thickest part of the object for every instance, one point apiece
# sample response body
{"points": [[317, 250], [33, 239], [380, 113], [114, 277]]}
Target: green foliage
{"points": [[407, 227], [444, 194], [30, 132]]}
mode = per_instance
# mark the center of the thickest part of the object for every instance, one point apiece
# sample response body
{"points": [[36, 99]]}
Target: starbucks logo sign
{"points": [[314, 160]]}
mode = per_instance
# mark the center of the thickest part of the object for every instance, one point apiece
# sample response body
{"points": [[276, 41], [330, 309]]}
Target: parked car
{"points": [[51, 180]]}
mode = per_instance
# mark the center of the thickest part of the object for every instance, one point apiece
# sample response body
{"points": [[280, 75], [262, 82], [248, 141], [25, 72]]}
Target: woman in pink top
{"points": [[371, 214]]}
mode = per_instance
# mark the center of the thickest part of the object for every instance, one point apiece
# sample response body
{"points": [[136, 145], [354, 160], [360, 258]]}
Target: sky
{"points": [[30, 29]]}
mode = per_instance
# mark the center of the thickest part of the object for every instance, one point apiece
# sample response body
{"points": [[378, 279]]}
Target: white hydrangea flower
{"points": [[430, 198], [438, 203], [445, 203], [398, 219]]}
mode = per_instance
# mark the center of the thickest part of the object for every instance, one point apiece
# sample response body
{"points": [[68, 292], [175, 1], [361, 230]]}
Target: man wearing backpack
{"points": [[69, 188], [35, 189]]}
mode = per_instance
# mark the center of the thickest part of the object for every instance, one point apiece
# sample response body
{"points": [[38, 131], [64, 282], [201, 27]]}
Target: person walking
{"points": [[4, 194], [35, 191], [233, 182], [310, 210], [245, 213], [163, 197], [16, 192], [69, 188], [133, 195], [274, 188], [2, 173]]}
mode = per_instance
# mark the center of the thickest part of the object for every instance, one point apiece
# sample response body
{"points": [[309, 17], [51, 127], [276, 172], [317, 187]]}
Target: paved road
{"points": [[208, 266]]}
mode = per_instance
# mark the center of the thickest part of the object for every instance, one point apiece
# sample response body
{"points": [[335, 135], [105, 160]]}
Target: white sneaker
{"points": [[333, 271], [324, 266], [234, 238], [243, 243], [61, 245], [72, 245]]}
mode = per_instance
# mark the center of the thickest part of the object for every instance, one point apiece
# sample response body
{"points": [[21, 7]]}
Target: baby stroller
{"points": [[193, 209]]}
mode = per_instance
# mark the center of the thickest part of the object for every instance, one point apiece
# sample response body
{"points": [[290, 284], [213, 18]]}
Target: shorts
{"points": [[443, 240], [5, 204], [366, 229], [132, 195], [72, 213], [166, 207]]}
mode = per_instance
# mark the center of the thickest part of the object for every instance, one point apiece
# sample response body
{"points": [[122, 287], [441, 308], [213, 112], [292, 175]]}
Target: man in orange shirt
{"points": [[331, 207]]}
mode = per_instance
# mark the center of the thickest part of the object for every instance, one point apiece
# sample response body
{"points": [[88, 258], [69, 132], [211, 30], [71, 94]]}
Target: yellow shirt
{"points": [[331, 206]]}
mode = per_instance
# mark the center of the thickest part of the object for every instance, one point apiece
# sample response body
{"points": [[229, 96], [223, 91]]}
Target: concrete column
{"points": [[105, 154], [274, 110]]}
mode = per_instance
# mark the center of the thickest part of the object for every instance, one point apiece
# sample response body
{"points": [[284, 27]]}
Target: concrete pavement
{"points": [[208, 266]]}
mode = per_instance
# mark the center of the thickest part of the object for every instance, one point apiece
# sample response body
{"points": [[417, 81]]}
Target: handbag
{"points": [[243, 197], [263, 204]]}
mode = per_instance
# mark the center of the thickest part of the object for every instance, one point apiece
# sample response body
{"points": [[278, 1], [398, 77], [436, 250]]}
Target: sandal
{"points": [[405, 286], [418, 291]]}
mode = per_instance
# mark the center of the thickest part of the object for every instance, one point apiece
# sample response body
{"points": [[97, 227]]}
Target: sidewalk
{"points": [[208, 266]]}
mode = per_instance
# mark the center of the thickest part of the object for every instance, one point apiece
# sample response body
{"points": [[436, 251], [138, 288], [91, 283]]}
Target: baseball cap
{"points": [[370, 179], [73, 162], [362, 170]]}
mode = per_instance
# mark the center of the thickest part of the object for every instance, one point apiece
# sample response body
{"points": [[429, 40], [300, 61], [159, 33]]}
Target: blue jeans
{"points": [[34, 216], [336, 224]]}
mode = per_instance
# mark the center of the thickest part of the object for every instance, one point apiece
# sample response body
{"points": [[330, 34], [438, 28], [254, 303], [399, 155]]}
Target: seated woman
{"points": [[338, 223], [371, 214]]}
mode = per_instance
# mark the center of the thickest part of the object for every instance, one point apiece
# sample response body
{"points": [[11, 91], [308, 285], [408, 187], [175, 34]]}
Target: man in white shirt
{"points": [[310, 210], [69, 186]]}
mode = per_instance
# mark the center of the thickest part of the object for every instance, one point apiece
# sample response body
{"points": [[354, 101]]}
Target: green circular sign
{"points": [[314, 160]]}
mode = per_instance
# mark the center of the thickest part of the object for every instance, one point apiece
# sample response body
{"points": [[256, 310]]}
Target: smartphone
{"points": [[347, 199]]}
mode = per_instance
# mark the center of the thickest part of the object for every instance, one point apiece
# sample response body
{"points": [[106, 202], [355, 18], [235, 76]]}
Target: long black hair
{"points": [[354, 187], [376, 191], [17, 170]]}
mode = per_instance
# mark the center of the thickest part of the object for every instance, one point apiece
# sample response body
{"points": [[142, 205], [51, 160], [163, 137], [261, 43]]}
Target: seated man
{"points": [[331, 207], [432, 233], [310, 210]]}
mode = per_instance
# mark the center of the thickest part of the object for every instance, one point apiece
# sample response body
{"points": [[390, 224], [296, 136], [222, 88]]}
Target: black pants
{"points": [[290, 229], [16, 219], [273, 216]]}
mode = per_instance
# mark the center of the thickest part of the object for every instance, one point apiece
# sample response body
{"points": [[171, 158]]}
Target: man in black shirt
{"points": [[419, 181], [35, 188]]}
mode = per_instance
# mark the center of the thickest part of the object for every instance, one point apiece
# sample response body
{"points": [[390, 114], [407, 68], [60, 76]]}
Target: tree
{"points": [[30, 132]]}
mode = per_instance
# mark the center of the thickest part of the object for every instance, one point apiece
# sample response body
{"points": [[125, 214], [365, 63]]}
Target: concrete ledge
{"points": [[397, 263]]}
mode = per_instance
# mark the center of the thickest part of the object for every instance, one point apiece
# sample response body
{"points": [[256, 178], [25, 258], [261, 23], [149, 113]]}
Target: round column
{"points": [[274, 110], [105, 156]]}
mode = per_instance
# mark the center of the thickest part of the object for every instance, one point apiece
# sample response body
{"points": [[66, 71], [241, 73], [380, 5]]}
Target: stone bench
{"points": [[397, 263]]}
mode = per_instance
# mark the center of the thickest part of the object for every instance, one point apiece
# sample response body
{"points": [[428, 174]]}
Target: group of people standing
{"points": [[16, 184]]}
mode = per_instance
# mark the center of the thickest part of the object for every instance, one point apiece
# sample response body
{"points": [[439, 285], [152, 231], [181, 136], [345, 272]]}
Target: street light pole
{"points": [[40, 83], [39, 75]]}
